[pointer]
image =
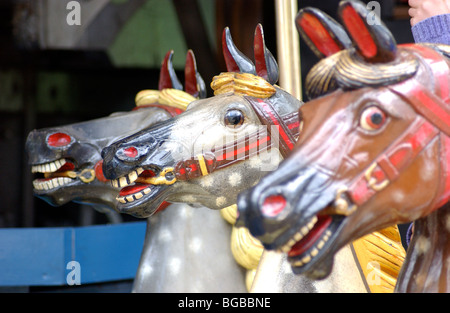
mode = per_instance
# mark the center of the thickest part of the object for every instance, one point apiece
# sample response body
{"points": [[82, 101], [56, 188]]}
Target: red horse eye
{"points": [[372, 118], [273, 205], [58, 140], [130, 152]]}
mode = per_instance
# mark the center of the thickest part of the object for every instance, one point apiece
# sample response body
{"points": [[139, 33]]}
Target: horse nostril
{"points": [[273, 205]]}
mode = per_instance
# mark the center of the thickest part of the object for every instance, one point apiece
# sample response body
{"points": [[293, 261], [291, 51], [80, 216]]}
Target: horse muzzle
{"points": [[295, 210]]}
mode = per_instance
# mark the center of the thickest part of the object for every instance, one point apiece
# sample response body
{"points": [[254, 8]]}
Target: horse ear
{"points": [[373, 40], [193, 81], [323, 35], [167, 76], [235, 60], [265, 63]]}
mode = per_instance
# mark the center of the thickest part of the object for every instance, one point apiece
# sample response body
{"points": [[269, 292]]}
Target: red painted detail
{"points": [[253, 145], [310, 239], [273, 205], [445, 153], [147, 174], [99, 171], [193, 167], [130, 152], [229, 60], [294, 125], [162, 207], [132, 189], [275, 122], [359, 32], [68, 166], [190, 79], [260, 58], [396, 158], [319, 35], [164, 76], [58, 140]]}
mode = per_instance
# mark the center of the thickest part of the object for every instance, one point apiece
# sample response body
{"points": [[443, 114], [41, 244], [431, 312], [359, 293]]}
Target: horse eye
{"points": [[372, 118], [234, 118]]}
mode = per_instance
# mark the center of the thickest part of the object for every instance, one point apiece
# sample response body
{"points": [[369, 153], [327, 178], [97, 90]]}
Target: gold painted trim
{"points": [[201, 161]]}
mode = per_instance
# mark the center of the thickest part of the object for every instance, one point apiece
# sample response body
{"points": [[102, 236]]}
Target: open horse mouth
{"points": [[300, 217], [307, 247], [53, 175], [140, 185]]}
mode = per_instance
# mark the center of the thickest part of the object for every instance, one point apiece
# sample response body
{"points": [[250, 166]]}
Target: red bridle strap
{"points": [[248, 146], [433, 121], [388, 166]]}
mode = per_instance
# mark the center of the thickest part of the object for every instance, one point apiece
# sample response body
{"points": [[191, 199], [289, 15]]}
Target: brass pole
{"points": [[288, 47]]}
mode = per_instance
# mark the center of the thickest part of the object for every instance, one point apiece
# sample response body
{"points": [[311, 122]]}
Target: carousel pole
{"points": [[270, 275], [288, 47]]}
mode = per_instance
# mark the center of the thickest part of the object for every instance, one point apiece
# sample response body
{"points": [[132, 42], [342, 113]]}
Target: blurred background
{"points": [[53, 73]]}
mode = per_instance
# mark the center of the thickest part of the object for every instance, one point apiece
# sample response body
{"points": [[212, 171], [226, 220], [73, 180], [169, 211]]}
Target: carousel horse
{"points": [[66, 160], [246, 129], [374, 151], [67, 164]]}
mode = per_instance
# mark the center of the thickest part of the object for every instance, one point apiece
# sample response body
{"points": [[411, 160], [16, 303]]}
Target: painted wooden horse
{"points": [[184, 161], [66, 159], [67, 164], [374, 151]]}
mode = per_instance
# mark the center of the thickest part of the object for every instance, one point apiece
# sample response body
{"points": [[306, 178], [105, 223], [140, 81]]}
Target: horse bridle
{"points": [[433, 120], [243, 149]]}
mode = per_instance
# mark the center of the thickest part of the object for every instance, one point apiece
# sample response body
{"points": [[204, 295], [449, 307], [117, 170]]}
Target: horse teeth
{"points": [[123, 181], [314, 251], [51, 183], [49, 167], [299, 235], [321, 244], [127, 179], [312, 223], [136, 196]]}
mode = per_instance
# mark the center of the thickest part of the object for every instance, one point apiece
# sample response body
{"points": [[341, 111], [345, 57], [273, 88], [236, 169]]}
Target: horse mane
{"points": [[245, 84], [348, 71], [171, 97]]}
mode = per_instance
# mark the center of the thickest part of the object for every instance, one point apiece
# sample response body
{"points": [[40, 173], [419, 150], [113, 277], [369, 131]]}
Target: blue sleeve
{"points": [[435, 29]]}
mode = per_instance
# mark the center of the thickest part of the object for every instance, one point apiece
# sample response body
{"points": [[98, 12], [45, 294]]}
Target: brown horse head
{"points": [[373, 150]]}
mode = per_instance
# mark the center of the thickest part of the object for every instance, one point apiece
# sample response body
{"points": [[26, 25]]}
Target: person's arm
{"points": [[422, 9], [430, 20]]}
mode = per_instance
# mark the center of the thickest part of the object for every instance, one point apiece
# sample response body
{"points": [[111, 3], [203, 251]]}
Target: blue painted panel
{"points": [[39, 256], [31, 256], [107, 253]]}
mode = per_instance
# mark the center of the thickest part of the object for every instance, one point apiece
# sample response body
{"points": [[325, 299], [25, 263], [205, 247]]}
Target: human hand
{"points": [[422, 9]]}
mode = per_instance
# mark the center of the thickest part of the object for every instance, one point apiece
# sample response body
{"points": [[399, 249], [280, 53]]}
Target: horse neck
{"points": [[427, 263]]}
